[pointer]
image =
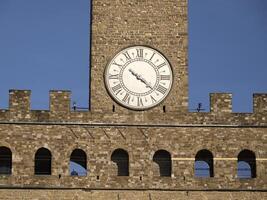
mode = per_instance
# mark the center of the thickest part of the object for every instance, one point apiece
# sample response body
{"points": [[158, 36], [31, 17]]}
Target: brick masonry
{"points": [[161, 24]]}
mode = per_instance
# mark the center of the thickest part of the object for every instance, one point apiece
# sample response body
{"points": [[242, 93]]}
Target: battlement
{"points": [[222, 103], [60, 109], [20, 105], [20, 101]]}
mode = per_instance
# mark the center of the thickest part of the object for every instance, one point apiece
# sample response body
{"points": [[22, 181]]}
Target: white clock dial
{"points": [[138, 77]]}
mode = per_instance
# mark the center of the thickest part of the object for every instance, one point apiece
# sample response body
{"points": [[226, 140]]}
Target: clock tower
{"points": [[159, 30], [125, 147]]}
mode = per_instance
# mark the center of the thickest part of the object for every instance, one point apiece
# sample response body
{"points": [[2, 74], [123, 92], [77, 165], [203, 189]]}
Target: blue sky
{"points": [[45, 45]]}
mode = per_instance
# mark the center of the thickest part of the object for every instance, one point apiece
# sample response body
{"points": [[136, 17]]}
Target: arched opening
{"points": [[163, 159], [5, 161], [121, 158], [78, 163], [204, 164], [246, 164], [42, 162]]}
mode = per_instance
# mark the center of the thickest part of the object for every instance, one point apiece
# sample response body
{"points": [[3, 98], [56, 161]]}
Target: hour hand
{"points": [[133, 73]]}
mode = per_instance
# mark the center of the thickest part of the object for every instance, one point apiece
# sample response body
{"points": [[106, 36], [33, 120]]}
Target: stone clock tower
{"points": [[157, 24], [138, 141]]}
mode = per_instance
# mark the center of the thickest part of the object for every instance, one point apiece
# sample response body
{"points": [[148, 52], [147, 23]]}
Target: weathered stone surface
{"points": [[78, 194]]}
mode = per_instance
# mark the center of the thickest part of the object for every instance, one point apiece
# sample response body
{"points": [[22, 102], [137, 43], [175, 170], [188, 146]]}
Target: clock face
{"points": [[138, 77]]}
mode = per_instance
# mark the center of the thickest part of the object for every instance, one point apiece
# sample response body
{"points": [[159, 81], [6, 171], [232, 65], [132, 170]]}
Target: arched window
{"points": [[78, 163], [5, 161], [121, 158], [204, 164], [246, 164], [163, 159], [42, 162]]}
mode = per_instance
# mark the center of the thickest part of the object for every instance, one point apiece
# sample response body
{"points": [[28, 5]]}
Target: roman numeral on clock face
{"points": [[162, 89], [126, 98], [117, 64], [127, 56], [139, 101], [153, 99], [113, 76], [140, 53], [116, 88], [152, 56], [165, 77], [161, 65]]}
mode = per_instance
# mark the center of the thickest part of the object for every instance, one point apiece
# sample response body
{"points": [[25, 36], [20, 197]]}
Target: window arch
{"points": [[5, 161], [121, 158], [42, 162], [163, 159], [246, 164], [78, 163], [204, 164]]}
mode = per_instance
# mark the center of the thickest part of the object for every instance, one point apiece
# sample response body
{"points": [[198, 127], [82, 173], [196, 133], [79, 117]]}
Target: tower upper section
{"points": [[157, 24]]}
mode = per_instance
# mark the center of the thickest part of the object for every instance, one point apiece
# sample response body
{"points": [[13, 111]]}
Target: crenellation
{"points": [[19, 100], [59, 101], [221, 102], [19, 104], [3, 114], [259, 103], [60, 110]]}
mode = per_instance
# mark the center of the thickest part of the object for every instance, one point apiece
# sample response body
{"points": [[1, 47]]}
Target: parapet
{"points": [[221, 102], [60, 110], [20, 106], [19, 100]]}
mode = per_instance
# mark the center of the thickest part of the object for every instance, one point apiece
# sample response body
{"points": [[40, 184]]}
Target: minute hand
{"points": [[139, 77]]}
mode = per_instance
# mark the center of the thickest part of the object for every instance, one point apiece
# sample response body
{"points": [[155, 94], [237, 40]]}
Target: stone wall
{"points": [[38, 194], [141, 143], [60, 111]]}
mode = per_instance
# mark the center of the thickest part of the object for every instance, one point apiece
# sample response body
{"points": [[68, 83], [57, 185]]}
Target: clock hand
{"points": [[139, 77], [145, 82], [133, 73]]}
